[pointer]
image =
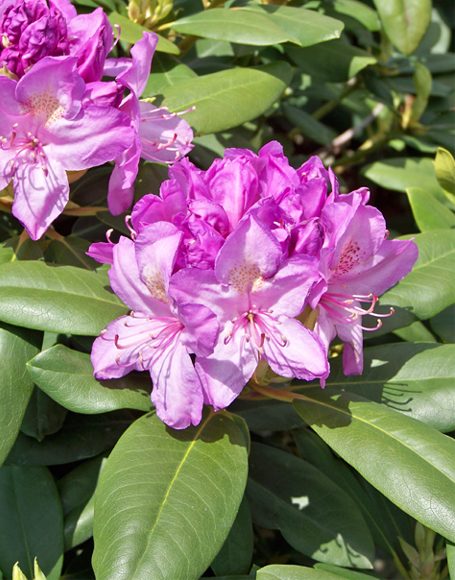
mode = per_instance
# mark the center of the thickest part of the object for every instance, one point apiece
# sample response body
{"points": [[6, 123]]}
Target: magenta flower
{"points": [[159, 135], [33, 29], [358, 264], [47, 128], [160, 333], [256, 297]]}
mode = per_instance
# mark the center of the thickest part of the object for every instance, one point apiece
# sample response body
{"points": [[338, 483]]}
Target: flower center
{"points": [[45, 106], [346, 308], [245, 277], [28, 151], [350, 257]]}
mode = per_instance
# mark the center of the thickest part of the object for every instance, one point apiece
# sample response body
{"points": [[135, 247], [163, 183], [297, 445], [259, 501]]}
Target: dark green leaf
{"points": [[289, 494], [43, 416], [60, 299], [443, 324], [334, 61], [309, 126], [31, 521], [167, 499], [17, 346], [417, 463], [228, 98], [237, 552], [67, 376], [167, 71], [80, 437]]}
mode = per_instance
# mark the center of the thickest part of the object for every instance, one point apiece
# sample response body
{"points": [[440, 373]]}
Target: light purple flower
{"points": [[160, 334], [256, 298], [358, 264], [47, 128], [159, 135]]}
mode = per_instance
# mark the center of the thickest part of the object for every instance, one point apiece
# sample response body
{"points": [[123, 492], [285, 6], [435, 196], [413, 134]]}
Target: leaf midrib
{"points": [[168, 491]]}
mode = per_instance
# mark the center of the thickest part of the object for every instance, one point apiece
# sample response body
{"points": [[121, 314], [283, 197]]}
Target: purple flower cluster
{"points": [[224, 268], [58, 115]]}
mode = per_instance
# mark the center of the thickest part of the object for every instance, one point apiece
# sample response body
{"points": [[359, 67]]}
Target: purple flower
{"points": [[33, 29], [358, 264], [160, 333], [159, 135], [47, 128], [256, 297]]}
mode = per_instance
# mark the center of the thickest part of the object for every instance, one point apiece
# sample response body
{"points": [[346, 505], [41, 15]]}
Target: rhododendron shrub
{"points": [[226, 290]]}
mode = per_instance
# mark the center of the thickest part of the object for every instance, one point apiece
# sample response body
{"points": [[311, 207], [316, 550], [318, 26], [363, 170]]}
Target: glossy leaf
{"points": [[402, 173], [309, 126], [334, 61], [167, 71], [417, 462], [444, 165], [282, 572], [167, 499], [442, 324], [60, 299], [416, 379], [43, 416], [67, 376], [405, 21], [80, 437], [31, 521], [430, 287], [422, 81], [17, 346], [360, 11], [77, 492], [228, 98], [261, 25], [237, 552], [429, 213], [131, 32], [312, 512]]}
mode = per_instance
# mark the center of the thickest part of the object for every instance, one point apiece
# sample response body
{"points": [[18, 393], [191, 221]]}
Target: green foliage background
{"points": [[356, 481]]}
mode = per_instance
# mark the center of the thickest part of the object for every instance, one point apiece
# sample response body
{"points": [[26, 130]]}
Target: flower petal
{"points": [[177, 391], [303, 355], [225, 372], [40, 195], [352, 336]]}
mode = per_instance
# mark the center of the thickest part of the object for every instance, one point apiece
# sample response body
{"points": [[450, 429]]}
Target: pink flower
{"points": [[160, 333], [256, 295], [358, 264], [47, 128], [33, 29], [159, 135]]}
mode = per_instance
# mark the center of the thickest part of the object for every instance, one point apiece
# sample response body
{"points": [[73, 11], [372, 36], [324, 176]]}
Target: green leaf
{"points": [[417, 463], [343, 572], [405, 21], [60, 299], [67, 376], [281, 572], [267, 415], [422, 81], [77, 492], [358, 10], [17, 346], [70, 251], [237, 552], [167, 71], [80, 437], [416, 379], [31, 521], [444, 165], [415, 332], [334, 61], [442, 324], [310, 127], [167, 499], [430, 287], [289, 494], [307, 26], [261, 25], [43, 416], [234, 25], [131, 32], [402, 173], [228, 98], [6, 254], [428, 212], [450, 559]]}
